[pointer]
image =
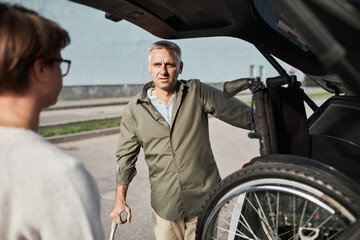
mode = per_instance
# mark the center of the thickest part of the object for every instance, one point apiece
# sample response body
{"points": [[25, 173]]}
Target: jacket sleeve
{"points": [[230, 110], [127, 151]]}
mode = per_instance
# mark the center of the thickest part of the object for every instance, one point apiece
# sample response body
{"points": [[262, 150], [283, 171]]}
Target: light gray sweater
{"points": [[44, 193]]}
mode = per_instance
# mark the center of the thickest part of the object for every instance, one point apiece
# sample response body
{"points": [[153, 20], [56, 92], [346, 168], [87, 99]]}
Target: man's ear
{"points": [[38, 69], [181, 67]]}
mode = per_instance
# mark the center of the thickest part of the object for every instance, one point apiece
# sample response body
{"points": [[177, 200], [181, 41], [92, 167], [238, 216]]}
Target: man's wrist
{"points": [[120, 201]]}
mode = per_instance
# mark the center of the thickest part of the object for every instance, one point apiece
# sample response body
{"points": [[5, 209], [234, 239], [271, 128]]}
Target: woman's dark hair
{"points": [[24, 37]]}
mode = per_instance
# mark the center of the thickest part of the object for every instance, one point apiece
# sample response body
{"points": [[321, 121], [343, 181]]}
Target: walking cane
{"points": [[123, 217]]}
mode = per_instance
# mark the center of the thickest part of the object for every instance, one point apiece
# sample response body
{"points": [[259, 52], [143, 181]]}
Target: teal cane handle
{"points": [[123, 216]]}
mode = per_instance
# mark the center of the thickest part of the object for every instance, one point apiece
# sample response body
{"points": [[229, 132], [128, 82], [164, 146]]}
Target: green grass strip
{"points": [[77, 129]]}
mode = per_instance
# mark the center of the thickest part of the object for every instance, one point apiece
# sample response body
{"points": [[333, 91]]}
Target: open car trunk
{"points": [[326, 49]]}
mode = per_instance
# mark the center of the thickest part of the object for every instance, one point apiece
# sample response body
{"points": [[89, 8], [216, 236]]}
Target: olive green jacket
{"points": [[181, 164]]}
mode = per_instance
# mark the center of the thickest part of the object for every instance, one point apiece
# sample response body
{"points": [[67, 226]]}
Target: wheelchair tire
{"points": [[272, 200]]}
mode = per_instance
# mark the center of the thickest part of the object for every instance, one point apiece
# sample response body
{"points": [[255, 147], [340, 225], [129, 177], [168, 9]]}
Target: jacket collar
{"points": [[144, 98]]}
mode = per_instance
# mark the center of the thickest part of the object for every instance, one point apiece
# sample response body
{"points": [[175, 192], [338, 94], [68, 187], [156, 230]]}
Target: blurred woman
{"points": [[44, 193]]}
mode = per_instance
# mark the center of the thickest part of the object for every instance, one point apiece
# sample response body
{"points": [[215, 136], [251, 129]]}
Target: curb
{"points": [[82, 135], [80, 123], [84, 106]]}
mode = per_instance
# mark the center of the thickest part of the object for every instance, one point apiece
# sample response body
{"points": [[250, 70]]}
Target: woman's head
{"points": [[25, 37]]}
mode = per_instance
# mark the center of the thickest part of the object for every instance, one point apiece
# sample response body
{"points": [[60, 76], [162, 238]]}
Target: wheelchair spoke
{"points": [[334, 235], [294, 216], [239, 234], [303, 213], [270, 207], [277, 213], [263, 216], [312, 216]]}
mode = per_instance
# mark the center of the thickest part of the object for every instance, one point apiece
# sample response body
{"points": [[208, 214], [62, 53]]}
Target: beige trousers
{"points": [[174, 230]]}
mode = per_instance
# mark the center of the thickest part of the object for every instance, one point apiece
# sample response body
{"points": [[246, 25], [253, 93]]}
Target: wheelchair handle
{"points": [[231, 88]]}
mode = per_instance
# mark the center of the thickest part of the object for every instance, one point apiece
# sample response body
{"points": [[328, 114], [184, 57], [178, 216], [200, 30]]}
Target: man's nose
{"points": [[163, 69]]}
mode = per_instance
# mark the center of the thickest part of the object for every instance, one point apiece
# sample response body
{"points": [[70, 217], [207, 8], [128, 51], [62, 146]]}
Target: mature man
{"points": [[169, 120]]}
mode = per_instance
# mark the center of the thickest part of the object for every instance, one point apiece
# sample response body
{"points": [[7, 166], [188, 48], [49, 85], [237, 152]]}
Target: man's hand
{"points": [[117, 210], [120, 205]]}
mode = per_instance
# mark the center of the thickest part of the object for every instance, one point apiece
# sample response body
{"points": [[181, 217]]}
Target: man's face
{"points": [[164, 69]]}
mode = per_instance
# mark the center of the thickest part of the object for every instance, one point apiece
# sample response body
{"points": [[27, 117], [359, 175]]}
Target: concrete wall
{"points": [[105, 91]]}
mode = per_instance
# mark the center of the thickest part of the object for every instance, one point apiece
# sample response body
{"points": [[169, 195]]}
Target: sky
{"points": [[107, 53]]}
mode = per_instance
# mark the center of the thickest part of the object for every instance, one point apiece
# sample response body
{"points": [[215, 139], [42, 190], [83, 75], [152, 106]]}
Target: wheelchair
{"points": [[305, 183]]}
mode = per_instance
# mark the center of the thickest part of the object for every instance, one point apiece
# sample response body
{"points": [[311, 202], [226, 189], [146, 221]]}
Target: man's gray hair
{"points": [[167, 45]]}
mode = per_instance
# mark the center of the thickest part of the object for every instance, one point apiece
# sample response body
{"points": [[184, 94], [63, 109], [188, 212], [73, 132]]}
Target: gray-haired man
{"points": [[169, 120]]}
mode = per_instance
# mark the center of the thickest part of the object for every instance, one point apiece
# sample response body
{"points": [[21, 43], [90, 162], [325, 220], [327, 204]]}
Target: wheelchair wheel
{"points": [[279, 201]]}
